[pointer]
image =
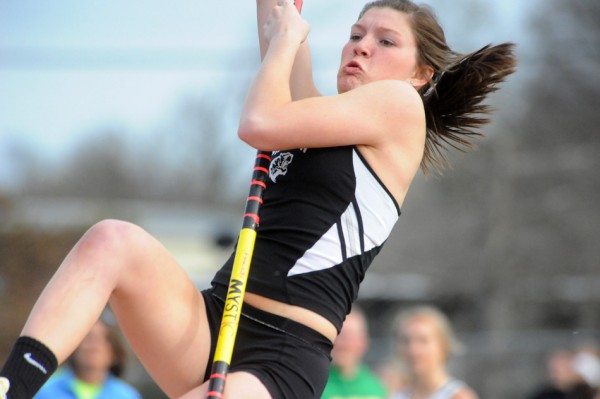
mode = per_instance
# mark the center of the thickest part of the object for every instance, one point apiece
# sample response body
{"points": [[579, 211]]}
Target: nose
{"points": [[361, 48]]}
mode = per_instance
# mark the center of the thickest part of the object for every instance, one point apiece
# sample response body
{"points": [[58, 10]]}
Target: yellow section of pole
{"points": [[235, 296]]}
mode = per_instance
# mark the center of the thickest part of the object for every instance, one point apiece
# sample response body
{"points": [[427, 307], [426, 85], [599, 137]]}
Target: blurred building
{"points": [[200, 239]]}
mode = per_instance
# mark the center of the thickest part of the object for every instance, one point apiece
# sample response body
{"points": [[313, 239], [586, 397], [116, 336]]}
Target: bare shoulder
{"points": [[465, 393], [393, 92], [397, 104]]}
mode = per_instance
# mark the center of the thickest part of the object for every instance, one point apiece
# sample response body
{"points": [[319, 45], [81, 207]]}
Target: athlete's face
{"points": [[382, 46], [421, 346]]}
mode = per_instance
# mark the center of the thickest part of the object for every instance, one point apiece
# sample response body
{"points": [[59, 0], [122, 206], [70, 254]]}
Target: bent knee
{"points": [[110, 239], [111, 233]]}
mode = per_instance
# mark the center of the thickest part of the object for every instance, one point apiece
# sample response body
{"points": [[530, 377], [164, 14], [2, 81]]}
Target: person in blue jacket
{"points": [[94, 369]]}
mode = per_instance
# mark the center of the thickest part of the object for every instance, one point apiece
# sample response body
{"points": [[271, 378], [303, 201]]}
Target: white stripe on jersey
{"points": [[350, 228], [377, 208], [378, 213]]}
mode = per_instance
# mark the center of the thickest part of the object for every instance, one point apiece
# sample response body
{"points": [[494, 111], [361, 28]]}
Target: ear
{"points": [[422, 76]]}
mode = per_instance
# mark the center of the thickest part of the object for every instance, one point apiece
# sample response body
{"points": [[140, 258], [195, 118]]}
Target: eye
{"points": [[354, 37], [386, 43]]}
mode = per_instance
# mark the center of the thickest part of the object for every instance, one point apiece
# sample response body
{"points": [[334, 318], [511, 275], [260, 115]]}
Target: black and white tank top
{"points": [[325, 216]]}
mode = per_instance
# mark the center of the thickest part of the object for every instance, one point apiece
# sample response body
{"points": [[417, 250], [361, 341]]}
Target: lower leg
{"points": [[240, 385], [78, 292]]}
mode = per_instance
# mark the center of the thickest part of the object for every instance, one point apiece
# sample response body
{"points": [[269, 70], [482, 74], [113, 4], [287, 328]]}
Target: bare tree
{"points": [[190, 159]]}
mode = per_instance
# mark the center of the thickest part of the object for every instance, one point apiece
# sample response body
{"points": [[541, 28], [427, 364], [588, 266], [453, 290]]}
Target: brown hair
{"points": [[119, 360], [453, 97]]}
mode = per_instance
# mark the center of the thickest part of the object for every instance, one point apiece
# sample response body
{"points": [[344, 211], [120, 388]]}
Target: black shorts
{"points": [[290, 359]]}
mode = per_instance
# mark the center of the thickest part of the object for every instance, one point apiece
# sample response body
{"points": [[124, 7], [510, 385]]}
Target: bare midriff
{"points": [[295, 313]]}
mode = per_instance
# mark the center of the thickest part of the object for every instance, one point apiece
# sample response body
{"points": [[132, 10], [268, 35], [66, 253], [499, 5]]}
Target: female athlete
{"points": [[342, 166]]}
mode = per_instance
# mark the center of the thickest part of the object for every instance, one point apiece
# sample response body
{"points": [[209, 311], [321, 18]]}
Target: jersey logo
{"points": [[279, 165]]}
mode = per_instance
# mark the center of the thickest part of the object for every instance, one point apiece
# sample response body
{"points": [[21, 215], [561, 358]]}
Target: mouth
{"points": [[353, 67]]}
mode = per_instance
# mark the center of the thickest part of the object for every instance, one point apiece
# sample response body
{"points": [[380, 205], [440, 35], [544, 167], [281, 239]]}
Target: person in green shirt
{"points": [[349, 378]]}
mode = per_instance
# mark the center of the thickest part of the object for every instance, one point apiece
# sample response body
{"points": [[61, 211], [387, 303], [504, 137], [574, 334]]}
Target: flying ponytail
{"points": [[453, 100], [454, 97]]}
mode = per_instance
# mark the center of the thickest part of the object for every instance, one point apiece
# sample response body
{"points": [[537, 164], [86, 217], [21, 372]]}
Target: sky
{"points": [[70, 68]]}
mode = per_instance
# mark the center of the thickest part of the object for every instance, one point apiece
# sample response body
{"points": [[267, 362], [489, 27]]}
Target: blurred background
{"points": [[129, 110]]}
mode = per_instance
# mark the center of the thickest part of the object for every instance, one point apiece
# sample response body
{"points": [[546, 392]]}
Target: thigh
{"points": [[163, 316], [240, 385]]}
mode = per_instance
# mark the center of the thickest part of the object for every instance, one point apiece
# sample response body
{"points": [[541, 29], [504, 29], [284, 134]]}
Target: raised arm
{"points": [[375, 114], [301, 78]]}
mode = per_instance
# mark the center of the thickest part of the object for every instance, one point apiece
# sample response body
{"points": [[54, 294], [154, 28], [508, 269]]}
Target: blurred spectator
{"points": [[94, 369], [586, 363], [349, 377], [393, 374], [561, 376], [565, 380], [424, 342]]}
